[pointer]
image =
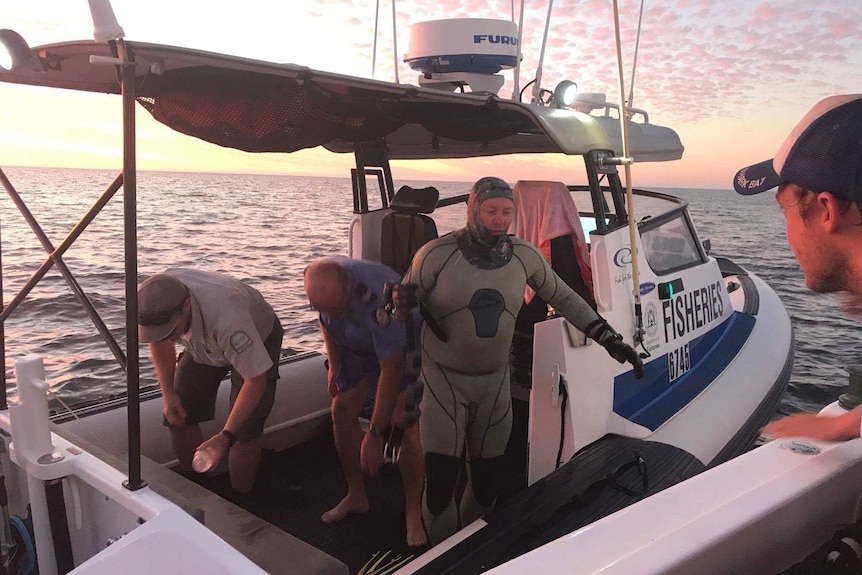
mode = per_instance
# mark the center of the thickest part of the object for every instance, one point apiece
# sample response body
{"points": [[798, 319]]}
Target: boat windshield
{"points": [[669, 243]]}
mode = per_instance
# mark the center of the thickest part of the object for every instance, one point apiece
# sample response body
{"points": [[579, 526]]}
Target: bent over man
{"points": [[366, 350], [223, 325]]}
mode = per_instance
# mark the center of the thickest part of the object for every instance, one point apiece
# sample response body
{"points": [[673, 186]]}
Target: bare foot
{"points": [[346, 506], [416, 535]]}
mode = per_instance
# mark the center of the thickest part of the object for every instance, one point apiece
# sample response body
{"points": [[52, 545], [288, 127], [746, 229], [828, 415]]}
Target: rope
{"points": [[53, 393], [565, 393]]}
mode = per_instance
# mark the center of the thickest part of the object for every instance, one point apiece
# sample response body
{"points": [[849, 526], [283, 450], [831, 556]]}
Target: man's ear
{"points": [[830, 214]]}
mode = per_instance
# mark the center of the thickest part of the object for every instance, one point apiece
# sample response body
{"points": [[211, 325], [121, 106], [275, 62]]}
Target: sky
{"points": [[732, 77]]}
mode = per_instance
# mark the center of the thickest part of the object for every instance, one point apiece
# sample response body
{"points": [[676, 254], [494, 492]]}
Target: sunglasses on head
{"points": [[492, 185]]}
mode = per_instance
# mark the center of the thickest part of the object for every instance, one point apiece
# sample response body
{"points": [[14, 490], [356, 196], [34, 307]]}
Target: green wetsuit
{"points": [[466, 378]]}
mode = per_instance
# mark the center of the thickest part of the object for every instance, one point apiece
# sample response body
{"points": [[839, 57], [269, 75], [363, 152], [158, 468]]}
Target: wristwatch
{"points": [[375, 430], [231, 437]]}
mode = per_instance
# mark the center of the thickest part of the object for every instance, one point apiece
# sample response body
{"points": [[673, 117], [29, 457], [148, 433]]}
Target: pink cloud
{"points": [[841, 27], [765, 13]]}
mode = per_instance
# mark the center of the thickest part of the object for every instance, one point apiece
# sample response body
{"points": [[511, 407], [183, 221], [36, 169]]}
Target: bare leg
{"points": [[243, 461], [346, 407], [185, 441], [411, 463]]}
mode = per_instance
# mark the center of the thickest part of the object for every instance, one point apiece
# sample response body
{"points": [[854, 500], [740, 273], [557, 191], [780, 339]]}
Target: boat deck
{"points": [[314, 465], [357, 538]]}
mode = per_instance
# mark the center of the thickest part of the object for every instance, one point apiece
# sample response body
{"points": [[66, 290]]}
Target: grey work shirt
{"points": [[230, 321]]}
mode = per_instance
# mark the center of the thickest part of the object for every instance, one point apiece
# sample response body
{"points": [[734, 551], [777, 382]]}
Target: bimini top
{"points": [[265, 107]]}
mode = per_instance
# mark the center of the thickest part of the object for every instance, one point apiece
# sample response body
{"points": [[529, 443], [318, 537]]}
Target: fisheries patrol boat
{"points": [[589, 437]]}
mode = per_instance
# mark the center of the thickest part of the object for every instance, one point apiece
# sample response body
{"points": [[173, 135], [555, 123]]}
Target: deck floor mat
{"points": [[604, 477], [314, 465]]}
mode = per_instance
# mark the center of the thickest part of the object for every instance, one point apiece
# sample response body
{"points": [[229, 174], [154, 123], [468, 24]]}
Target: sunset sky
{"points": [[732, 77]]}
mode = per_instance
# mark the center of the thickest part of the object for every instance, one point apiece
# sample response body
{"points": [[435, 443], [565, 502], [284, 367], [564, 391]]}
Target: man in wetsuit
{"points": [[366, 350], [471, 284], [225, 325]]}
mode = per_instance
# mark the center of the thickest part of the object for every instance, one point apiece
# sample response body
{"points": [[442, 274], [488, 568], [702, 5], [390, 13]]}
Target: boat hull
{"points": [[300, 411]]}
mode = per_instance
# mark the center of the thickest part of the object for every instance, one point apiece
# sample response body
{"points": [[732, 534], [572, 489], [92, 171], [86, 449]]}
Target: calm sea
{"points": [[265, 229]]}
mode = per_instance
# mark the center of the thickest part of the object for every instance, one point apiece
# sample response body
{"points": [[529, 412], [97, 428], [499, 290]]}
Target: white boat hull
{"points": [[301, 411]]}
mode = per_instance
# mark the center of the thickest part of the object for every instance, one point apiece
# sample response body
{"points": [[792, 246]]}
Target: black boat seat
{"points": [[406, 228]]}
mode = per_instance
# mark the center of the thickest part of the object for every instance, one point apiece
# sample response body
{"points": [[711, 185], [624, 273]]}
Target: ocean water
{"points": [[266, 229]]}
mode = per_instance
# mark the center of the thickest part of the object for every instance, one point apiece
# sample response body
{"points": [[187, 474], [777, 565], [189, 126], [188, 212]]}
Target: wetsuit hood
{"points": [[479, 245]]}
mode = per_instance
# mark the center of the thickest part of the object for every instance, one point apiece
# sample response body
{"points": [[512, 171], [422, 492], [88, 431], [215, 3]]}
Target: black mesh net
{"points": [[261, 113], [265, 113]]}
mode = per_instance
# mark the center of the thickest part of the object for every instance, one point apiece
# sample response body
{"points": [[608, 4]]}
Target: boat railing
{"points": [[55, 259], [587, 105]]}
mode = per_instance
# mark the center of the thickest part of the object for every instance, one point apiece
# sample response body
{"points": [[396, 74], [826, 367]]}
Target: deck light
{"points": [[565, 93], [14, 51]]}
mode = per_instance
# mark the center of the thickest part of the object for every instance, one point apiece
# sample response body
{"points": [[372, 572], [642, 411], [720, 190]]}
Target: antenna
{"points": [[105, 25], [516, 88], [395, 41], [537, 87]]}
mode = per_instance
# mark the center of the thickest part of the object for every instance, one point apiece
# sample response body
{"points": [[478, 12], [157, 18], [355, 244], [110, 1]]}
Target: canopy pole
{"points": [[627, 162], [130, 226]]}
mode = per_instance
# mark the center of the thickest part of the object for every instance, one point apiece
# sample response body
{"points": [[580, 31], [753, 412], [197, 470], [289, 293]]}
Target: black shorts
{"points": [[197, 387]]}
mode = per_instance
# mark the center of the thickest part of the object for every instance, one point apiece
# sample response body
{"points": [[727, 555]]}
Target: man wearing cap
{"points": [[367, 349], [224, 326], [818, 173]]}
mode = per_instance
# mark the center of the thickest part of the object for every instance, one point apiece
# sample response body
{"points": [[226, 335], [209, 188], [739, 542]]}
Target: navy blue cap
{"points": [[823, 153]]}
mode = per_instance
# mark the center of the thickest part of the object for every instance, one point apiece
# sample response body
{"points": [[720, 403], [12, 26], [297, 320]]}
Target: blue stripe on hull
{"points": [[653, 400]]}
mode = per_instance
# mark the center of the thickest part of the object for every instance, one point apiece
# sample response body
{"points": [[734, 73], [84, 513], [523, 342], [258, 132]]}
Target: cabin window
{"points": [[588, 224], [669, 244], [449, 218]]}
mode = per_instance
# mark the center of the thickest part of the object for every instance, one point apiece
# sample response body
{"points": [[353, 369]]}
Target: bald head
{"points": [[326, 285]]}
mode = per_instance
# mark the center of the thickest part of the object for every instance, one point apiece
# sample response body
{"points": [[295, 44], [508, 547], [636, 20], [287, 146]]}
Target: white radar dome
{"points": [[472, 45]]}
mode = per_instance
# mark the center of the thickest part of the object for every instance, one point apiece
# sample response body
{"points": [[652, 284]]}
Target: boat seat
{"points": [[546, 216], [406, 227]]}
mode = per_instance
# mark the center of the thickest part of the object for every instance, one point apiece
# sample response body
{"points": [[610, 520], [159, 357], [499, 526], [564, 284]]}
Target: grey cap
{"points": [[160, 300]]}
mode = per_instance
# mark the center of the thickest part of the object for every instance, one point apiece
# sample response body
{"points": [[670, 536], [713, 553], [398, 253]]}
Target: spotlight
{"points": [[14, 51], [565, 93]]}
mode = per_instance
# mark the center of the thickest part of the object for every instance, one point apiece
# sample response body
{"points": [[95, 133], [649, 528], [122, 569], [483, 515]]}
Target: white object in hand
{"points": [[203, 460]]}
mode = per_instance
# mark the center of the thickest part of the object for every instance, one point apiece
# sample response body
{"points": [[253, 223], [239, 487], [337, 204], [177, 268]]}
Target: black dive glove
{"points": [[601, 331], [623, 352]]}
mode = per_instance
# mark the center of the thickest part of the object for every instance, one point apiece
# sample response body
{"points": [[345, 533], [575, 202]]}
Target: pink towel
{"points": [[544, 211]]}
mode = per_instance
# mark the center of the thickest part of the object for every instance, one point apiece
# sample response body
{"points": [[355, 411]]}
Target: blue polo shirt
{"points": [[358, 329]]}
